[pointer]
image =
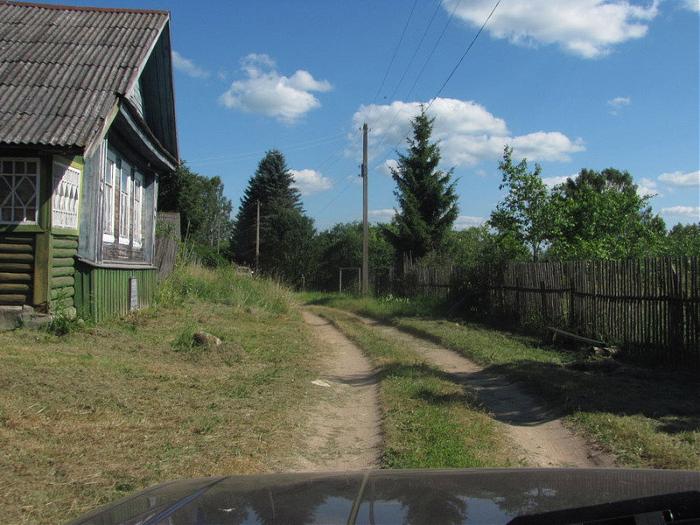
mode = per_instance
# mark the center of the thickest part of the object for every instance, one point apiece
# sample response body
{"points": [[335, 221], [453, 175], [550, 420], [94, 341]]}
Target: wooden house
{"points": [[87, 125]]}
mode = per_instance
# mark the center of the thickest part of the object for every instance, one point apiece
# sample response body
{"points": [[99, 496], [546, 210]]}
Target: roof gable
{"points": [[62, 69]]}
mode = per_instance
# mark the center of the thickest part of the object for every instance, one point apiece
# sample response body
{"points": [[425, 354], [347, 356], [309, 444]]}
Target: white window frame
{"points": [[137, 186], [65, 196], [108, 208], [11, 195], [125, 197]]}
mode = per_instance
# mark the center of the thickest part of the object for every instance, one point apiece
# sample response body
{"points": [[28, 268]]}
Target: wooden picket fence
{"points": [[647, 306]]}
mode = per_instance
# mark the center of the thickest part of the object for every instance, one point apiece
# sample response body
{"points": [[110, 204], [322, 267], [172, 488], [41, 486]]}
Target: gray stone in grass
{"points": [[206, 339]]}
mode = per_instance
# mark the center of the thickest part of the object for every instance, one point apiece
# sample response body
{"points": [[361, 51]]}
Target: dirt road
{"points": [[536, 430], [343, 430]]}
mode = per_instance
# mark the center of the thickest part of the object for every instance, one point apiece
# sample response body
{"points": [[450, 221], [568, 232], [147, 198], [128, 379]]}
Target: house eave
{"points": [[127, 117]]}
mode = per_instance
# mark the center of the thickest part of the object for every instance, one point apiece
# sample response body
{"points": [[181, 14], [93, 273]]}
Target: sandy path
{"points": [[544, 440], [344, 426]]}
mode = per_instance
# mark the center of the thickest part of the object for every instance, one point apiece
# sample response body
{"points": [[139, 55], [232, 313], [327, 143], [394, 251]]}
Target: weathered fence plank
{"points": [[647, 306]]}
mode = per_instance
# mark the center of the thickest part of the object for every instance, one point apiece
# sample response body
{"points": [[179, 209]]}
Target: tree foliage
{"points": [[523, 216], [601, 215], [341, 246], [426, 196], [285, 231], [205, 212], [683, 240]]}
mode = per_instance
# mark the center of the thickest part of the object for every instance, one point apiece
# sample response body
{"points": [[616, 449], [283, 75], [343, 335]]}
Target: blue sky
{"points": [[582, 83]]}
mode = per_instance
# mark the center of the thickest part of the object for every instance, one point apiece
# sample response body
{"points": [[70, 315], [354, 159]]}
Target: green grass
{"points": [[95, 414], [645, 417], [429, 420]]}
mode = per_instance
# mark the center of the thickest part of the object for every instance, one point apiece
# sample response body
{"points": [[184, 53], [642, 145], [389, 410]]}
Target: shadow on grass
{"points": [[622, 390]]}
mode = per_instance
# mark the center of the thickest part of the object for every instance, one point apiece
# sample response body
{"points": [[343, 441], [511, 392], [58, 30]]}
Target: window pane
{"points": [[19, 167], [31, 214], [6, 214], [24, 191], [7, 167], [5, 187], [31, 167]]}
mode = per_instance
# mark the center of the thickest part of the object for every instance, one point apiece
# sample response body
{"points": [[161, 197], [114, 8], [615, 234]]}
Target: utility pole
{"points": [[365, 222], [257, 238]]}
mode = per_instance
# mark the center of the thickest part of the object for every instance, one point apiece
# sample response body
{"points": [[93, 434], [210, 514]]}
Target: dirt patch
{"points": [[343, 429], [532, 426]]}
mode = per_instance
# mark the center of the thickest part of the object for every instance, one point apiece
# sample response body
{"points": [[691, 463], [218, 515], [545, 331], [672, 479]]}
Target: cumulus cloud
{"points": [[188, 67], [381, 215], [693, 5], [586, 28], [266, 91], [386, 167], [556, 181], [692, 212], [618, 103], [680, 178], [309, 181], [468, 132], [468, 221], [648, 188]]}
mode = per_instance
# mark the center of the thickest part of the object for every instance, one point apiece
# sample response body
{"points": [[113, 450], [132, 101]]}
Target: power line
{"points": [[471, 44], [293, 147], [415, 51], [396, 49], [435, 46], [454, 69]]}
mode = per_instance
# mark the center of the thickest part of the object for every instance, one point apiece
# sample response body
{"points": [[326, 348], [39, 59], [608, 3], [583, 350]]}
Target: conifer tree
{"points": [[426, 196], [285, 232]]}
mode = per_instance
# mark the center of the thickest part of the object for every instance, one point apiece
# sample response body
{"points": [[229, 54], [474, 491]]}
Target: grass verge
{"points": [[429, 420], [646, 418], [107, 410]]}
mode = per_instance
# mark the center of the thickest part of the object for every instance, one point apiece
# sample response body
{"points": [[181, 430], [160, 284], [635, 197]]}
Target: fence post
{"points": [[543, 295], [517, 299]]}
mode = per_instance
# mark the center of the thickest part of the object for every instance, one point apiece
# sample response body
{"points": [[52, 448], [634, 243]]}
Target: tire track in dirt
{"points": [[343, 428], [533, 427]]}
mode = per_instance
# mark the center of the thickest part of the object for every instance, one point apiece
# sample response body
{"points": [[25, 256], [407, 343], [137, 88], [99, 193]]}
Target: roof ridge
{"points": [[60, 7]]}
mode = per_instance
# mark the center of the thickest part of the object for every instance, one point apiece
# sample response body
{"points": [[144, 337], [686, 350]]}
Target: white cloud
{"points": [[556, 181], [692, 212], [618, 103], [309, 181], [188, 67], [679, 178], [587, 28], [693, 5], [386, 167], [381, 215], [468, 133], [648, 188], [468, 221], [265, 91]]}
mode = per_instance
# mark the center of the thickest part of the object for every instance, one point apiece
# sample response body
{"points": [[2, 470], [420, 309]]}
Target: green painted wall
{"points": [[62, 272], [16, 268], [101, 293]]}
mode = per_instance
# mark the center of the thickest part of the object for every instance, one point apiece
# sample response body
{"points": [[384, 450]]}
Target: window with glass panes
{"points": [[19, 190]]}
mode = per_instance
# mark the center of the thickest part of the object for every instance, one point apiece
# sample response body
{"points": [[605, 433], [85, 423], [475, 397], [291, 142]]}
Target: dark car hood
{"points": [[409, 496]]}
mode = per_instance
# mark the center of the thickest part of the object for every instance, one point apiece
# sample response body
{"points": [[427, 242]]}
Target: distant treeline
{"points": [[594, 215]]}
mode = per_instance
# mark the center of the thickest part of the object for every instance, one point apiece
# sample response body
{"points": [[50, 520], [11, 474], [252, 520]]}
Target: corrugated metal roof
{"points": [[62, 68]]}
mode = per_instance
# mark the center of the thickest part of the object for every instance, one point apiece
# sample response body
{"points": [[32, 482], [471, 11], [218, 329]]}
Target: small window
{"points": [[65, 197], [138, 209], [125, 205], [108, 212], [19, 190]]}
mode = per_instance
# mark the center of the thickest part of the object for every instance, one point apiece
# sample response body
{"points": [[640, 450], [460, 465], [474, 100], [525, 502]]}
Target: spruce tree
{"points": [[285, 231], [426, 196]]}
